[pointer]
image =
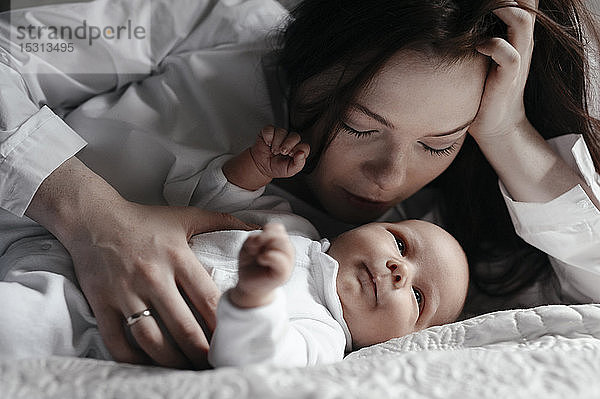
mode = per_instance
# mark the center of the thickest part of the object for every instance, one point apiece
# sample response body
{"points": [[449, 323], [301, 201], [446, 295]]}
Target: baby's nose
{"points": [[400, 273]]}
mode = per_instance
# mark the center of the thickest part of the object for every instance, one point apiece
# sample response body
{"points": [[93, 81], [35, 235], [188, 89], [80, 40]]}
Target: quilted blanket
{"points": [[545, 352]]}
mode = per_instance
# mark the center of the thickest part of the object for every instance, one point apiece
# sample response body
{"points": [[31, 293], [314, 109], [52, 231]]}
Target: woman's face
{"points": [[401, 132]]}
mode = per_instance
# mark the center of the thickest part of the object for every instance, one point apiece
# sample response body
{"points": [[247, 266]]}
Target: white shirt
{"points": [[304, 324], [205, 96]]}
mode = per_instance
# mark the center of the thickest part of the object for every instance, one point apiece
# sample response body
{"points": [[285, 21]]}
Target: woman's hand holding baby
{"points": [[266, 262], [276, 153], [129, 257]]}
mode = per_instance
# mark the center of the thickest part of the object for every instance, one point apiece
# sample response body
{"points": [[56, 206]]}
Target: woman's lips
{"points": [[366, 202]]}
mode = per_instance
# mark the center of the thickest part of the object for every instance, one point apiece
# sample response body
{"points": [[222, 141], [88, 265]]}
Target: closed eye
{"points": [[440, 152], [357, 133]]}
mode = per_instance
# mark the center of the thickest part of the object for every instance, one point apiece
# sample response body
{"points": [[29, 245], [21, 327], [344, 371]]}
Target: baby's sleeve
{"points": [[266, 335], [215, 193]]}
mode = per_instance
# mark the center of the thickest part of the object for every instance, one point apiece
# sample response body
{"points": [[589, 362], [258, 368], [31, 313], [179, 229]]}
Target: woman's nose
{"points": [[400, 274], [386, 172]]}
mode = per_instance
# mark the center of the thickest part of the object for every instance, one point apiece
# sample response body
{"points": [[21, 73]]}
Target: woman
{"points": [[384, 117], [332, 98]]}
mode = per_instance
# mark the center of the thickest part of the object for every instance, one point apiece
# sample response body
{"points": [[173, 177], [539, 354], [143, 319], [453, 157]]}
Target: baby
{"points": [[293, 300]]}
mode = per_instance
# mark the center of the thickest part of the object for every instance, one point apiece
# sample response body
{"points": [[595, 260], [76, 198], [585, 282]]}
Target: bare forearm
{"points": [[242, 171], [528, 167], [61, 201]]}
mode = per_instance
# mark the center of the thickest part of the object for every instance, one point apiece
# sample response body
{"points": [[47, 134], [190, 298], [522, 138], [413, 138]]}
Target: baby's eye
{"points": [[400, 244], [418, 296]]}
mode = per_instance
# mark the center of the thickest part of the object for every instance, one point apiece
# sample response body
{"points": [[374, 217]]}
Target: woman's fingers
{"points": [[200, 221], [182, 325], [519, 24], [506, 57], [135, 260], [513, 55], [200, 289], [112, 329], [145, 329], [149, 336]]}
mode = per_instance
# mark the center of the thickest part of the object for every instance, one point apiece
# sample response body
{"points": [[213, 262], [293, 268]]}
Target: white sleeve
{"points": [[29, 152], [266, 335], [33, 139], [215, 193], [568, 227]]}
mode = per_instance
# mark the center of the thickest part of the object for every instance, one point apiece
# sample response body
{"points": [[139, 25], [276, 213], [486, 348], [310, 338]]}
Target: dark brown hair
{"points": [[335, 47]]}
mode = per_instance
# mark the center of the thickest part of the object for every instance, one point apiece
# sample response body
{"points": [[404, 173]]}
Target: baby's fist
{"points": [[266, 262], [279, 153]]}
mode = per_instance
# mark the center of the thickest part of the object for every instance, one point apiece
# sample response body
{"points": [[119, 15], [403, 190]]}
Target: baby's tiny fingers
{"points": [[278, 139], [252, 244], [277, 261], [262, 241], [267, 134], [290, 143], [300, 148], [299, 155], [274, 227], [298, 163]]}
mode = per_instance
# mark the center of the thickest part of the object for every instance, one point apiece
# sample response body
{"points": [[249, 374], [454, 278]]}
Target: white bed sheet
{"points": [[545, 352]]}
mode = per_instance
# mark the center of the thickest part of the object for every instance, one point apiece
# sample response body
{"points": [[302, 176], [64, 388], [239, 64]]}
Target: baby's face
{"points": [[398, 278]]}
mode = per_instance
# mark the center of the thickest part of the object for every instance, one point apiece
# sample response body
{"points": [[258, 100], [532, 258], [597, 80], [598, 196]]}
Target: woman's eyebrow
{"points": [[451, 132], [373, 115], [388, 124]]}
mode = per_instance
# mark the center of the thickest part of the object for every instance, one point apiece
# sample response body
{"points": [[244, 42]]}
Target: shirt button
{"points": [[46, 247]]}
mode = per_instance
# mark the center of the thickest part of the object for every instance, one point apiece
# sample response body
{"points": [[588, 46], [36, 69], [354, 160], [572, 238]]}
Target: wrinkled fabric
{"points": [[195, 92]]}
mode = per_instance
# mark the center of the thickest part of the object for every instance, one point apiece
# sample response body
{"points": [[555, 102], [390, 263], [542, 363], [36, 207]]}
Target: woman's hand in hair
{"points": [[502, 110], [527, 166]]}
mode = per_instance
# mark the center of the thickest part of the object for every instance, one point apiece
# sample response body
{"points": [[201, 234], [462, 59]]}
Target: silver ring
{"points": [[134, 318]]}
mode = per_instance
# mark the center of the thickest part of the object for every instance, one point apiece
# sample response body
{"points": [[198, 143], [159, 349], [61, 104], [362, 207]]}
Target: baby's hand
{"points": [[279, 154], [266, 261]]}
